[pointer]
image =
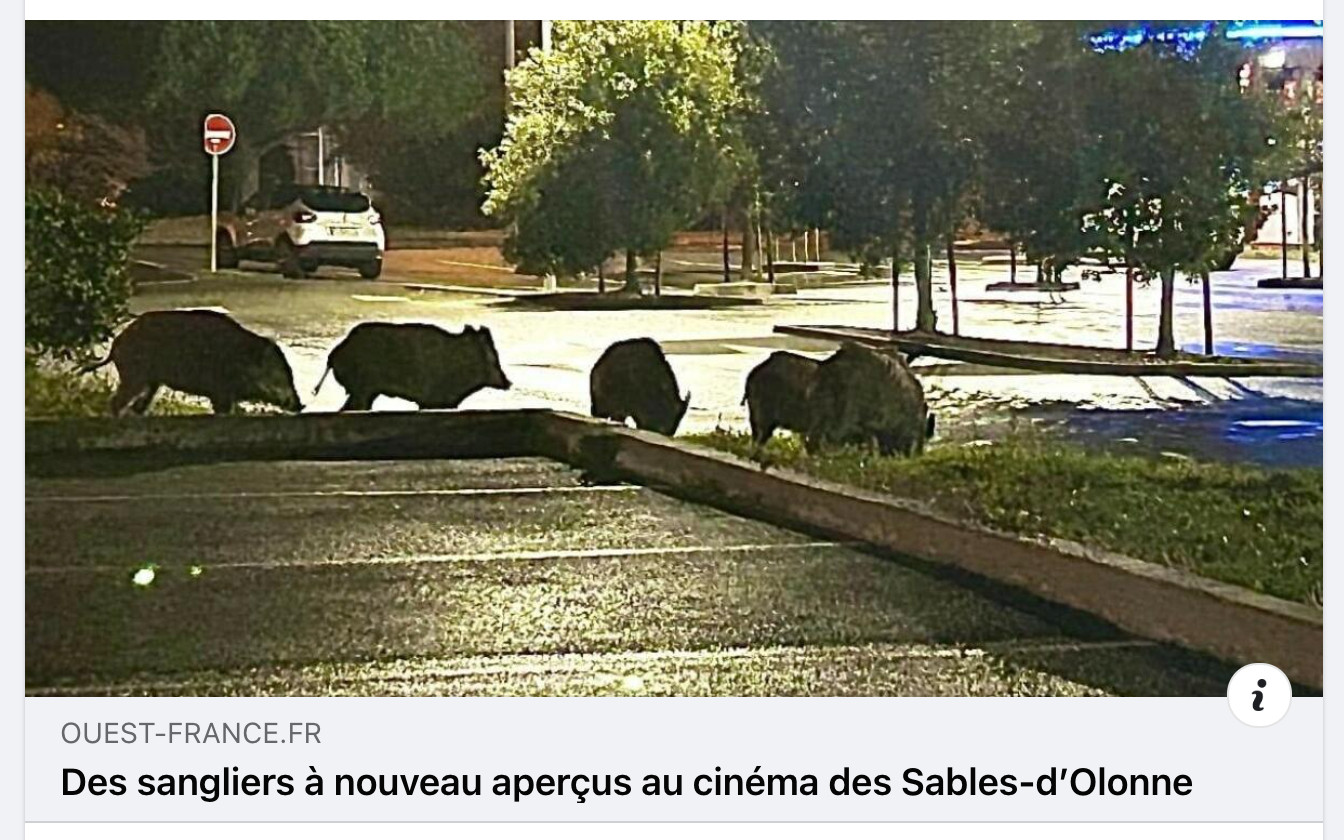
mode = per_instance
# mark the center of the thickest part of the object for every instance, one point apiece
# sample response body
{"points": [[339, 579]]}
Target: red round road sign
{"points": [[219, 134]]}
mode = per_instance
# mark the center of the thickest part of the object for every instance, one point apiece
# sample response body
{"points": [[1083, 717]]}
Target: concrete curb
{"points": [[965, 350], [1145, 599]]}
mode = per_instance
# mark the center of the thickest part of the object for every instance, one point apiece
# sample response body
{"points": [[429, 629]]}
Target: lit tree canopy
{"points": [[621, 133]]}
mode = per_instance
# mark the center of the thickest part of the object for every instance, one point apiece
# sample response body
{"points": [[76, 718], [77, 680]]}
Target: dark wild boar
{"points": [[777, 394], [633, 380], [425, 364], [862, 396], [199, 352]]}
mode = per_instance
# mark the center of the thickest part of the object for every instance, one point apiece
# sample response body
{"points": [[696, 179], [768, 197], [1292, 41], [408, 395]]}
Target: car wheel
{"points": [[226, 256], [370, 270], [288, 259]]}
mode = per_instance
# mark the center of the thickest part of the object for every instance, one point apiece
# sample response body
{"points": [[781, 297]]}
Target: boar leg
{"points": [[142, 402], [358, 401], [126, 396], [222, 404], [761, 429]]}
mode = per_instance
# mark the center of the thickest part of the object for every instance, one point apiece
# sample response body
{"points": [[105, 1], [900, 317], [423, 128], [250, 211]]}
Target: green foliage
{"points": [[881, 122], [1032, 181], [76, 284], [1174, 160], [621, 133], [365, 80], [51, 391], [1252, 527], [1175, 153], [82, 155]]}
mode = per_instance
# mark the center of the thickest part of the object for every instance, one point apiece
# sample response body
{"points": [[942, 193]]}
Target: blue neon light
{"points": [[1274, 29], [1191, 38]]}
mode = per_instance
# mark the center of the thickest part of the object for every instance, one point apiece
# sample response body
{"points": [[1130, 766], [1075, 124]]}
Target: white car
{"points": [[302, 227]]}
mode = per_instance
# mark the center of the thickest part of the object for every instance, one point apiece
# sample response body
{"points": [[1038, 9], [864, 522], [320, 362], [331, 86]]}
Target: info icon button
{"points": [[1259, 694]]}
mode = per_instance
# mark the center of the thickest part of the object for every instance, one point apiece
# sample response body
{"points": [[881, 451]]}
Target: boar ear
{"points": [[468, 329]]}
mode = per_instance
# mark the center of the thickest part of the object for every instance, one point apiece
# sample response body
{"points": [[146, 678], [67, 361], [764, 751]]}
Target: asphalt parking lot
{"points": [[510, 577]]}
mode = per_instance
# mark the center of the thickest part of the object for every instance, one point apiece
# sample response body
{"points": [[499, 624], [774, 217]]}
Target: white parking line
{"points": [[475, 557], [299, 494]]}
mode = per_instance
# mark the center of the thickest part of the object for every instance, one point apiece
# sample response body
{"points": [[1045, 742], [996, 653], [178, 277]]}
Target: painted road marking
{"points": [[505, 268], [474, 557], [421, 670], [381, 298], [299, 494]]}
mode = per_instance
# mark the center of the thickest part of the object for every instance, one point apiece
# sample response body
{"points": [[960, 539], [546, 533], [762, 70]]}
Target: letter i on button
{"points": [[1259, 694]]}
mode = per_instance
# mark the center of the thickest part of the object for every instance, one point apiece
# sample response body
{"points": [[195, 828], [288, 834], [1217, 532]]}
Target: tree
{"points": [[618, 135], [884, 142], [1174, 156], [84, 156], [357, 78], [1032, 180]]}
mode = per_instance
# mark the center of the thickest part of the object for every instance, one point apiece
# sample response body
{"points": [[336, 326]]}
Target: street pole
{"points": [[545, 35], [214, 213], [321, 163], [509, 47]]}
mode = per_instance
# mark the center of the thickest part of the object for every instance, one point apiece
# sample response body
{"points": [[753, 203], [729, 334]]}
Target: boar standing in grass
{"points": [[425, 364], [777, 394], [633, 380], [862, 396], [200, 352]]}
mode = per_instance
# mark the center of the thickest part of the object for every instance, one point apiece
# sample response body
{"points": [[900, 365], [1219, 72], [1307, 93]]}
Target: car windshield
{"points": [[333, 200]]}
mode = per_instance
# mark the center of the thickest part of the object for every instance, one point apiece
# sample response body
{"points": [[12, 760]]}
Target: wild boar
{"points": [[422, 363], [198, 352], [862, 396], [777, 394], [633, 380]]}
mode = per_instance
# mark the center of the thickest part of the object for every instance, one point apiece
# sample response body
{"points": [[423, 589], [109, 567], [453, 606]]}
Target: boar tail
{"points": [[92, 366], [320, 381]]}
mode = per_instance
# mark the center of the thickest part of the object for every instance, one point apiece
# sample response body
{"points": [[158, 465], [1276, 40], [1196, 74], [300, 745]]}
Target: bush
{"points": [[76, 281]]}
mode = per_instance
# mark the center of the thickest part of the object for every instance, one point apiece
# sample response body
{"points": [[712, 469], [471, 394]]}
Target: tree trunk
{"points": [[925, 319], [1304, 212], [748, 246], [1129, 307], [1166, 337], [952, 286], [762, 244], [631, 276], [601, 278], [895, 290], [816, 236], [727, 266], [658, 275], [1283, 227], [1012, 262], [770, 255], [1208, 316]]}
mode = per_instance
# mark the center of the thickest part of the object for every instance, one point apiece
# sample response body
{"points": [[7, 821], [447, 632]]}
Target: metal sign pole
{"points": [[214, 213]]}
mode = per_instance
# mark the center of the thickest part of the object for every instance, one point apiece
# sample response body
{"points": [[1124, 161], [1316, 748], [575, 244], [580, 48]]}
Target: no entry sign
{"points": [[219, 134]]}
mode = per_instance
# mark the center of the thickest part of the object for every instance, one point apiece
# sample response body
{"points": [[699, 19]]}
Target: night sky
{"points": [[91, 65]]}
